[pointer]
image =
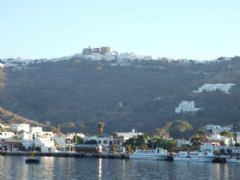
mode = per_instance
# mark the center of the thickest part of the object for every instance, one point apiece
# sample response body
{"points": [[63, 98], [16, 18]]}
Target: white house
{"points": [[63, 142], [181, 142], [105, 143], [219, 140], [20, 127], [45, 144], [6, 135], [36, 130], [128, 135], [217, 129], [238, 137], [209, 147]]}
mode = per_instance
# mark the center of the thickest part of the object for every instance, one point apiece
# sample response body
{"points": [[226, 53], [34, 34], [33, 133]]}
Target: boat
{"points": [[200, 156], [154, 154], [233, 159], [32, 161]]}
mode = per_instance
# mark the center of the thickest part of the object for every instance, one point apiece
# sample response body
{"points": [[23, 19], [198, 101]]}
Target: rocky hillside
{"points": [[7, 117], [78, 92]]}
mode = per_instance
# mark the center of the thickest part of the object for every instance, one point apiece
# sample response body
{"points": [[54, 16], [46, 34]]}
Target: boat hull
{"points": [[32, 161], [153, 157]]}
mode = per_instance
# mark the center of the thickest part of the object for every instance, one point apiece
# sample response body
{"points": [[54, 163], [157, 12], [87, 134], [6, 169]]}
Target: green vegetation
{"points": [[147, 142], [227, 134], [139, 142], [176, 129], [78, 140], [197, 140], [101, 126]]}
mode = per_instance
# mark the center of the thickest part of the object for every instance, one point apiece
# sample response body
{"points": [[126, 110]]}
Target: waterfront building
{"points": [[105, 143], [238, 137], [219, 140], [6, 135], [11, 145], [64, 143], [181, 142]]}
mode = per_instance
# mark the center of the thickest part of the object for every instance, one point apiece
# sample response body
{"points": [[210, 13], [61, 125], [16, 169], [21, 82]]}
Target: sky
{"points": [[192, 29]]}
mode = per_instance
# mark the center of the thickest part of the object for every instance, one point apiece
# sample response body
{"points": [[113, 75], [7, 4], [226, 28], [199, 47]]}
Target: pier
{"points": [[65, 154]]}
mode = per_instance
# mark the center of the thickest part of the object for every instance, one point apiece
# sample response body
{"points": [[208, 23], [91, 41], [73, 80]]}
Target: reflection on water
{"points": [[101, 169]]}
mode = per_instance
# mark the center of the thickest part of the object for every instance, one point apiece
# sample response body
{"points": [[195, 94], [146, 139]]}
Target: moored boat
{"points": [[199, 156], [32, 161], [154, 154]]}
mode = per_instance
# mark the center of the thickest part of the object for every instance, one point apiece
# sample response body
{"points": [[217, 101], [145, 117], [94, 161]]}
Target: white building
{"points": [[20, 127], [128, 135], [238, 137], [209, 147], [45, 144], [217, 129], [105, 143], [36, 130], [181, 142], [219, 140], [3, 126], [6, 135], [63, 142]]}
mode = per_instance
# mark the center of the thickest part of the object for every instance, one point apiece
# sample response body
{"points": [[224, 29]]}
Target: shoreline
{"points": [[64, 154]]}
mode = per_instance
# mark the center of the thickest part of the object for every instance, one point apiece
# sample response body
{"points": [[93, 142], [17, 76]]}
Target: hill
{"points": [[8, 117], [77, 92]]}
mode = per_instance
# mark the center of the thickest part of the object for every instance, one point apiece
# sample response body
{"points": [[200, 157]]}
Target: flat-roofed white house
{"points": [[20, 127], [128, 135], [6, 135], [36, 130], [63, 142], [216, 129], [105, 142]]}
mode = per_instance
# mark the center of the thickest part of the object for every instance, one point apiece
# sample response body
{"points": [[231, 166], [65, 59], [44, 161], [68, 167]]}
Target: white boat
{"points": [[199, 156], [234, 159], [155, 154]]}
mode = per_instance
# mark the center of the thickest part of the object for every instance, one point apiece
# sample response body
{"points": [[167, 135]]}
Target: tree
{"points": [[167, 144], [56, 130], [101, 126], [180, 129], [139, 142], [164, 131], [227, 134], [198, 139], [78, 139]]}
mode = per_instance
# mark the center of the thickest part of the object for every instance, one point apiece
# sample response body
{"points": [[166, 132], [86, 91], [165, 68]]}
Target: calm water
{"points": [[101, 169]]}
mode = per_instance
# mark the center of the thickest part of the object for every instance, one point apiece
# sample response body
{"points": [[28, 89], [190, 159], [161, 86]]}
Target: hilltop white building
{"points": [[217, 129]]}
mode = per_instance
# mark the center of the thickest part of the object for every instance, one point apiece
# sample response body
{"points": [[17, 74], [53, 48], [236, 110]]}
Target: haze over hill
{"points": [[125, 91]]}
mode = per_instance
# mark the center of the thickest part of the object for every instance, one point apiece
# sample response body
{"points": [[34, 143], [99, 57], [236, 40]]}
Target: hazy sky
{"points": [[198, 29]]}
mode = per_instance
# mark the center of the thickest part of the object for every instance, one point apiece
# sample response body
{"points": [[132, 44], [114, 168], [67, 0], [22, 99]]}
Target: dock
{"points": [[64, 154]]}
